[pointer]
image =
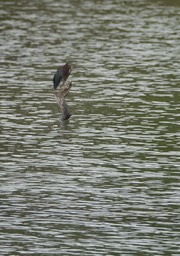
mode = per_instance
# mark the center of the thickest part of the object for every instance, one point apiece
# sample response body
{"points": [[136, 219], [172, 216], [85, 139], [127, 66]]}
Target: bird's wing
{"points": [[57, 78]]}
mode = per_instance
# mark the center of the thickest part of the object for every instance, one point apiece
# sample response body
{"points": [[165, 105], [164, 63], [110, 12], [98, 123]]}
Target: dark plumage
{"points": [[61, 74]]}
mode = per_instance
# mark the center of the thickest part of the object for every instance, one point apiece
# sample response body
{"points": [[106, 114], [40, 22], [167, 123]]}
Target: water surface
{"points": [[107, 181]]}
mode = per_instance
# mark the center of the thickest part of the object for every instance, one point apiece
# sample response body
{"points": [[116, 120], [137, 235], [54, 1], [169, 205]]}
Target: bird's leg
{"points": [[60, 96]]}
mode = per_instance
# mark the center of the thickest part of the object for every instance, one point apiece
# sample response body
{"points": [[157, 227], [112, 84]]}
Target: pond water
{"points": [[107, 181]]}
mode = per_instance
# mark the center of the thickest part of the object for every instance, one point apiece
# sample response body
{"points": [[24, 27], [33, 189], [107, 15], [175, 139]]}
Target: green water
{"points": [[107, 181]]}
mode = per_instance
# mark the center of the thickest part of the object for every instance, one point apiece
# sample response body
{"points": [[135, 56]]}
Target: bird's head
{"points": [[66, 70]]}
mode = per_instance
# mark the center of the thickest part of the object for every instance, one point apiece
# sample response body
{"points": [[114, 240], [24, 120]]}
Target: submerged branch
{"points": [[60, 97]]}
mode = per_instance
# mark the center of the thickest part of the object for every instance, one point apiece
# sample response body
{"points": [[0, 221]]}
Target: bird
{"points": [[61, 74]]}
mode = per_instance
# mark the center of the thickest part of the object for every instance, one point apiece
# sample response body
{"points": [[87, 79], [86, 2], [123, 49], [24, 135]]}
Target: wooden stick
{"points": [[60, 97]]}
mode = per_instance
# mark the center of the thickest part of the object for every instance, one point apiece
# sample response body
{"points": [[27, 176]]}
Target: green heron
{"points": [[61, 74]]}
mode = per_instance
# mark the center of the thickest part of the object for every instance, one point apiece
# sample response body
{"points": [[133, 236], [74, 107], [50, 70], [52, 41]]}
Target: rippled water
{"points": [[107, 181]]}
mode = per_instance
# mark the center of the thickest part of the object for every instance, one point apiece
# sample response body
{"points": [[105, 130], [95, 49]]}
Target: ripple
{"points": [[106, 182]]}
